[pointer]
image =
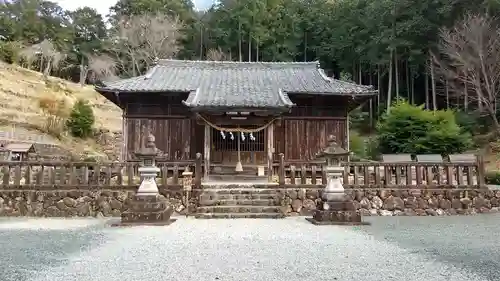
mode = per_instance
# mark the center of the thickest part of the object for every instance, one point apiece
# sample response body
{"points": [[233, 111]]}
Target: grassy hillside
{"points": [[20, 91]]}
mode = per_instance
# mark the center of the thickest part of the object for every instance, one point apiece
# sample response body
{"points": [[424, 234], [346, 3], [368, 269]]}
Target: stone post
{"points": [[148, 207]]}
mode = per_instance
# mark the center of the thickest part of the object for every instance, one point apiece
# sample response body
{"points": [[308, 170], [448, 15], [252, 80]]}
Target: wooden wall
{"points": [[304, 131], [300, 134]]}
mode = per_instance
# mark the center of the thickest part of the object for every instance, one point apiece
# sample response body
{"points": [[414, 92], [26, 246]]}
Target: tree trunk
{"points": [[201, 42], [396, 72], [434, 97], [239, 41], [447, 93], [83, 72], [305, 46], [370, 81], [426, 86], [407, 69], [379, 87], [389, 86], [249, 47]]}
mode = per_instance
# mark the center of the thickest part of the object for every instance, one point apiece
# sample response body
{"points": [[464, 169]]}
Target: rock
{"points": [[385, 213], [61, 205], [431, 212], [296, 205], [433, 203], [399, 213], [83, 209], [309, 204], [293, 194], [420, 212], [180, 208], [394, 203], [480, 202], [70, 202], [301, 194], [115, 204], [410, 212], [440, 212], [456, 204], [365, 203], [377, 203], [493, 201], [444, 204], [364, 212], [373, 212]]}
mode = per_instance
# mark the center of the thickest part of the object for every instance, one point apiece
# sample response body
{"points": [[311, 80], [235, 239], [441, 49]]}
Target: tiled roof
{"points": [[236, 84]]}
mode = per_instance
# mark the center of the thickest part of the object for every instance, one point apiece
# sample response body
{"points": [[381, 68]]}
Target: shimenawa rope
{"points": [[237, 130]]}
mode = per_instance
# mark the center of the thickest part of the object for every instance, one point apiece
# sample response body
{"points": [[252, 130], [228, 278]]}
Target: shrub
{"points": [[363, 147], [81, 119], [493, 177], [411, 129], [56, 113]]}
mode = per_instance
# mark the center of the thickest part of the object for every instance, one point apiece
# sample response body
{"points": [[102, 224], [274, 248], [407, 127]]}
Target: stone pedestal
{"points": [[341, 212], [148, 210]]}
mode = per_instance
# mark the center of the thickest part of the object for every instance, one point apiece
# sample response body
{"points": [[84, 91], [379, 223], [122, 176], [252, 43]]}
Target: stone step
{"points": [[218, 191], [238, 178], [239, 216], [239, 186], [256, 202], [238, 209], [238, 197]]}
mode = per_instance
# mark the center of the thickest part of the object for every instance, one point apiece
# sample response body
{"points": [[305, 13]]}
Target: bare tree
{"points": [[470, 58], [102, 67], [217, 55], [142, 39], [47, 54]]}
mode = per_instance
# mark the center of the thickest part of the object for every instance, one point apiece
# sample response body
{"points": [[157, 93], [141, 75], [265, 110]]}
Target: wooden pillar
{"points": [[206, 150], [270, 151], [124, 154]]}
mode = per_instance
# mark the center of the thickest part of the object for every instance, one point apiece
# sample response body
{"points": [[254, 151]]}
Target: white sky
{"points": [[102, 6]]}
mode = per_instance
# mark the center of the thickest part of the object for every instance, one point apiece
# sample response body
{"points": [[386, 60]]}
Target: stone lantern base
{"points": [[147, 210], [341, 212]]}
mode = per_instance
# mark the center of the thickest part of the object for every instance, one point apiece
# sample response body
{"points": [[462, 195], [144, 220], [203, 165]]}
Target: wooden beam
{"points": [[206, 149], [270, 151]]}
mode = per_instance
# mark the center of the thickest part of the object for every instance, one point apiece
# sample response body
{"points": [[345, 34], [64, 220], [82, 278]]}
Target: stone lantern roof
{"points": [[332, 150], [149, 149]]}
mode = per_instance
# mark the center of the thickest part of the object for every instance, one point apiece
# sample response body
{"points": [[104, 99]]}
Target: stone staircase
{"points": [[218, 201], [226, 173]]}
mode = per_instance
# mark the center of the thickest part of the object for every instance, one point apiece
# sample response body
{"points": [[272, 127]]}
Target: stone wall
{"points": [[401, 202], [81, 203], [370, 202]]}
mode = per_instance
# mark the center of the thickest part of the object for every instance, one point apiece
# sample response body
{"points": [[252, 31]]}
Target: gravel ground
{"points": [[289, 249]]}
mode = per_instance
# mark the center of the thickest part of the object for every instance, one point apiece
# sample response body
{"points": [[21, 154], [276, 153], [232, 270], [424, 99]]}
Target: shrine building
{"points": [[239, 114]]}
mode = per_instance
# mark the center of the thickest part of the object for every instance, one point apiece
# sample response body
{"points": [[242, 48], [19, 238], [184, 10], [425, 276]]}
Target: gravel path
{"points": [[234, 250]]}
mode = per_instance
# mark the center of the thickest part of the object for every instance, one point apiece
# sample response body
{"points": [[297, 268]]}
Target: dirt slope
{"points": [[20, 90]]}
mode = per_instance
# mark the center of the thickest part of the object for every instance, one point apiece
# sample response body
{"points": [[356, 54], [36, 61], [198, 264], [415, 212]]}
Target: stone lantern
{"points": [[335, 207], [148, 207]]}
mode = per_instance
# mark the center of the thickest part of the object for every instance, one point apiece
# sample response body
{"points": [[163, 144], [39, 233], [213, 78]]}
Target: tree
{"points": [[142, 39], [81, 119], [89, 33], [470, 58]]}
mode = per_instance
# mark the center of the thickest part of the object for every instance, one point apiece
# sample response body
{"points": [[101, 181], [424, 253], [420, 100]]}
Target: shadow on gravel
{"points": [[26, 251], [471, 242]]}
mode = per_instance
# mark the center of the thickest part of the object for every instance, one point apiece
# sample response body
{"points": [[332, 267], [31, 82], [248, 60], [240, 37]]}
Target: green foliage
{"points": [[363, 147], [81, 119], [493, 177], [411, 129], [9, 51]]}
